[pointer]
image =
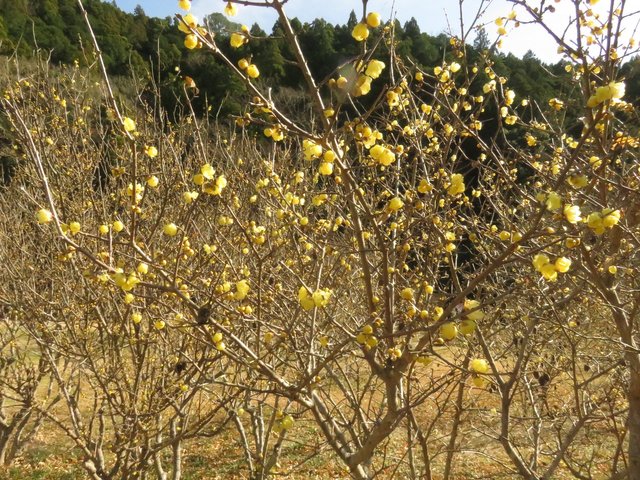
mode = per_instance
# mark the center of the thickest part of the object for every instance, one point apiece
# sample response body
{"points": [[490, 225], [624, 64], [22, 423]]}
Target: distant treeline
{"points": [[134, 42]]}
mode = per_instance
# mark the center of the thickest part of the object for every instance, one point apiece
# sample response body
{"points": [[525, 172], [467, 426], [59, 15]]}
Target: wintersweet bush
{"points": [[421, 276]]}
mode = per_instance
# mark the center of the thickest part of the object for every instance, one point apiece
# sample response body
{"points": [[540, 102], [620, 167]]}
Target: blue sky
{"points": [[433, 16]]}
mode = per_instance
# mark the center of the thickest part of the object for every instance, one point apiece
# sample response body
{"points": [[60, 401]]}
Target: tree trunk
{"points": [[633, 422]]}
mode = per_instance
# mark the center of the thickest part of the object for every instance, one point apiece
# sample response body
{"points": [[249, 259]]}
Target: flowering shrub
{"points": [[378, 272]]}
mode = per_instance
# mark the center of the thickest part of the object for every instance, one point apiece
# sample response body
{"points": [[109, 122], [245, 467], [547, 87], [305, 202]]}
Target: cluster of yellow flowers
{"points": [[600, 221], [285, 422], [188, 24], [205, 179], [613, 91], [382, 155], [457, 185], [249, 68], [218, 340], [548, 269], [366, 338], [275, 133], [319, 298], [361, 31], [312, 150]]}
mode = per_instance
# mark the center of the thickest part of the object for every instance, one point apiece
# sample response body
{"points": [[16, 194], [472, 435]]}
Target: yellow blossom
{"points": [[549, 272], [540, 260], [373, 19], [44, 216], [311, 149], [448, 331], [479, 365], [362, 86], [407, 294], [153, 181], [562, 264], [230, 10], [374, 68], [74, 228], [190, 41], [242, 290], [325, 168], [395, 204], [554, 201], [129, 124], [572, 213], [457, 185], [238, 39], [170, 229], [152, 152], [360, 32], [188, 22], [252, 71]]}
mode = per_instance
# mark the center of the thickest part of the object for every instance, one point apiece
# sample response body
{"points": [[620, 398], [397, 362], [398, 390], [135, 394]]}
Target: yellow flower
{"points": [[243, 63], [362, 86], [467, 327], [170, 229], [74, 228], [191, 41], [321, 297], [329, 156], [207, 172], [448, 331], [159, 324], [419, 77], [454, 67], [238, 39], [407, 294], [252, 71], [479, 365], [382, 155], [242, 290], [230, 10], [572, 213], [189, 197], [562, 264], [142, 268], [118, 226], [539, 261], [152, 152], [610, 217], [185, 4], [374, 68], [188, 22], [311, 149], [129, 124], [44, 216], [153, 181], [136, 317], [554, 201], [306, 300], [556, 104], [613, 91], [325, 168], [549, 272], [360, 32], [594, 221], [373, 19], [395, 204], [457, 184], [474, 305]]}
